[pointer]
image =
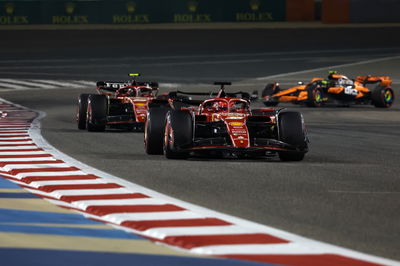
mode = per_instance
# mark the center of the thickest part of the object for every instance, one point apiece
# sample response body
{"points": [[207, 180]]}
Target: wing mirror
{"points": [[254, 96]]}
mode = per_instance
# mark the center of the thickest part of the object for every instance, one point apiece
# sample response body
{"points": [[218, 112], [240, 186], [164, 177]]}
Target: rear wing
{"points": [[111, 85], [239, 94], [116, 85], [383, 80]]}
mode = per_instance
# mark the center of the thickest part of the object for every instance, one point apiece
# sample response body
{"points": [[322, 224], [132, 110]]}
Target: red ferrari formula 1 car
{"points": [[223, 126], [335, 89], [121, 105]]}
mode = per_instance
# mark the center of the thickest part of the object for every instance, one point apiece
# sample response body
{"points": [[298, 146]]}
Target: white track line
{"points": [[23, 153], [119, 218], [138, 201], [63, 173], [30, 159], [329, 67], [169, 57], [14, 138], [81, 192], [26, 83], [37, 184], [164, 232], [10, 167], [30, 147], [273, 249]]}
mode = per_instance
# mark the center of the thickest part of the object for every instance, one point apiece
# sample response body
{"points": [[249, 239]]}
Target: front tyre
{"points": [[81, 113], [178, 134], [154, 130], [382, 97], [314, 96], [268, 92], [292, 131], [97, 112]]}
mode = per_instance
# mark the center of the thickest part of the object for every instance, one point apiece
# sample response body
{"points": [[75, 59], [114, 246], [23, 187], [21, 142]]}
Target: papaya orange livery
{"points": [[336, 88]]}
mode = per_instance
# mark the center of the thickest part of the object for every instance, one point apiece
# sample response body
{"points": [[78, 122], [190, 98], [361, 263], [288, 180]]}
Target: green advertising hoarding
{"points": [[20, 13], [139, 11]]}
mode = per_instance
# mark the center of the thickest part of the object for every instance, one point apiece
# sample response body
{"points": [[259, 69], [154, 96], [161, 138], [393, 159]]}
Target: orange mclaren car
{"points": [[335, 89]]}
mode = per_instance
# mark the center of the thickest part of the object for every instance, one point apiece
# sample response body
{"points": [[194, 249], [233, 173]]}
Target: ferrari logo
{"points": [[9, 8], [131, 6], [69, 7], [255, 5], [192, 6]]}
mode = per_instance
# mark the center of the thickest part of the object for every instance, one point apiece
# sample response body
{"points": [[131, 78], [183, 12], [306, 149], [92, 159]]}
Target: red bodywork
{"points": [[234, 113], [136, 96], [235, 120]]}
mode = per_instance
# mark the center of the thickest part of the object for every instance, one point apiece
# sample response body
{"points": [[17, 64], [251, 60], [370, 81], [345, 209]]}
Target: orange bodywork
{"points": [[383, 80], [288, 99], [335, 90], [289, 91], [303, 95], [357, 89], [316, 79]]}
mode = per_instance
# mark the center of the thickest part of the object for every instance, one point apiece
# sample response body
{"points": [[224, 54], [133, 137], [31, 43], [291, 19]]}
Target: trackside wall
{"points": [[139, 11], [360, 11]]}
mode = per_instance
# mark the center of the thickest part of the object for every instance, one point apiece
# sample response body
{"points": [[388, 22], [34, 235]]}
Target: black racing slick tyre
{"points": [[269, 90], [292, 131], [382, 97], [97, 112], [314, 96], [178, 134], [154, 130], [82, 111]]}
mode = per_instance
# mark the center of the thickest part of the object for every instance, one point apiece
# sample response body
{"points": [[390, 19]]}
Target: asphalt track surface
{"points": [[346, 191]]}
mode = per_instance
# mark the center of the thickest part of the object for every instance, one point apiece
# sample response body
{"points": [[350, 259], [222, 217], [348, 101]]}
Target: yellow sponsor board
{"points": [[236, 123]]}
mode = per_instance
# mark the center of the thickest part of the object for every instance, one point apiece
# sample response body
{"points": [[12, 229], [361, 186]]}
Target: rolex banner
{"points": [[19, 12]]}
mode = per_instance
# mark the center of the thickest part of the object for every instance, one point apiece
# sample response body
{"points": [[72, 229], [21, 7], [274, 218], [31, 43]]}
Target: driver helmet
{"points": [[237, 106], [145, 92], [345, 81], [221, 106]]}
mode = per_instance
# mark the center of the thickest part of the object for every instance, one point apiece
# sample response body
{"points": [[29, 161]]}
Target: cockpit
{"points": [[144, 92], [131, 91], [225, 106]]}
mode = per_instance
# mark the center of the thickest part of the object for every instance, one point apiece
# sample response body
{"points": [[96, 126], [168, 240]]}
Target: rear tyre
{"points": [[82, 111], [291, 131], [268, 91], [178, 134], [314, 96], [97, 112], [382, 97], [154, 130]]}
